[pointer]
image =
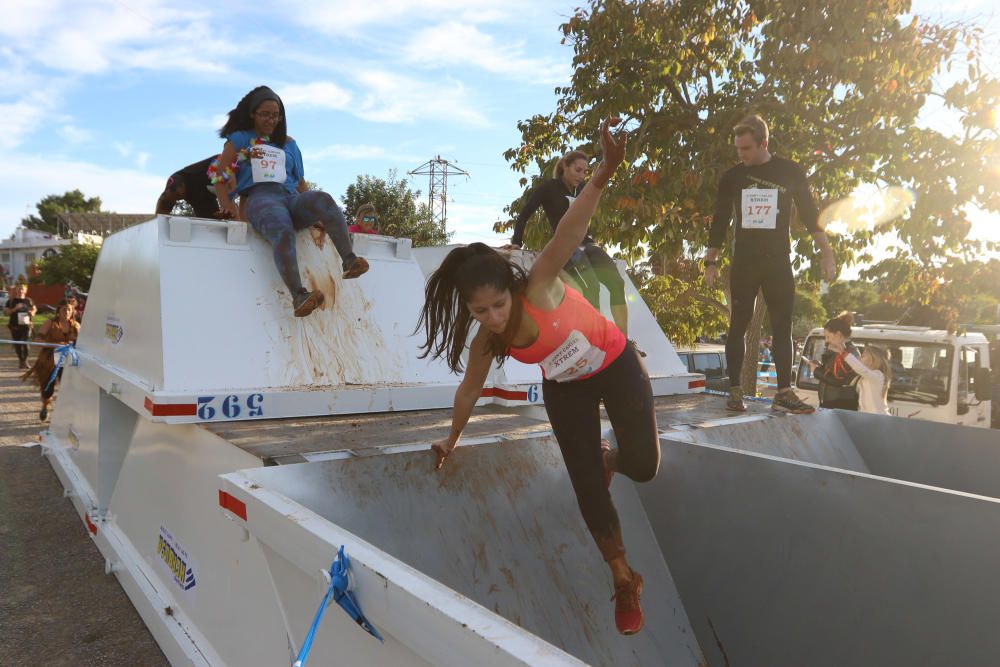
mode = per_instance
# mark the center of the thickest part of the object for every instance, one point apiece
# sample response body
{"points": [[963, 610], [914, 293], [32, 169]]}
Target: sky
{"points": [[112, 96]]}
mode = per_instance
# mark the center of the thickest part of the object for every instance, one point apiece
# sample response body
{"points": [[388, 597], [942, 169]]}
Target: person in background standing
{"points": [[20, 309]]}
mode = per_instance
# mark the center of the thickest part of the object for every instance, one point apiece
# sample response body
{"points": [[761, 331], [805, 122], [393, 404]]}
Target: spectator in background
{"points": [[835, 375], [364, 220], [20, 309], [60, 330], [874, 376]]}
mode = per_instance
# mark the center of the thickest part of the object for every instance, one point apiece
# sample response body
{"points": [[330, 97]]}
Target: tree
{"points": [[842, 84], [808, 310], [856, 296], [74, 263], [685, 308], [52, 205], [942, 296], [397, 209]]}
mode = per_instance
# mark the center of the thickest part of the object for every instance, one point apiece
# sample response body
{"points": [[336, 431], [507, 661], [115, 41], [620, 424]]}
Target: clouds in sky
{"points": [[385, 64]]}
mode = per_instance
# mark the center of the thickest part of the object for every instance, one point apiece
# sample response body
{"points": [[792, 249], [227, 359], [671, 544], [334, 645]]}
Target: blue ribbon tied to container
{"points": [[339, 593]]}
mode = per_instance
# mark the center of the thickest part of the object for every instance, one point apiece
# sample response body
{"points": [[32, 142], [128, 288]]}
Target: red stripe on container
{"points": [[234, 505], [505, 394], [170, 409]]}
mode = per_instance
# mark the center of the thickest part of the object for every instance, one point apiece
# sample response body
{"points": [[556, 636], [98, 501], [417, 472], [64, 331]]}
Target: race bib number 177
{"points": [[760, 208]]}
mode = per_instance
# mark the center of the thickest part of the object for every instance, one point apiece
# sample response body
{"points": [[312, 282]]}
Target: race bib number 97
{"points": [[760, 208], [573, 359], [268, 164]]}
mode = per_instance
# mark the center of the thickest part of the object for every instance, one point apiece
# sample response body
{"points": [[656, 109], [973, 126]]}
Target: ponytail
{"points": [[568, 159]]}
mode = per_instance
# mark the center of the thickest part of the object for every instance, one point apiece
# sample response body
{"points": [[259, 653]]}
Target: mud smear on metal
{"points": [[340, 342]]}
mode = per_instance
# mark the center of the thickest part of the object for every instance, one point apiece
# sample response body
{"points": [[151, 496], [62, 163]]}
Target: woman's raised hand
{"points": [[613, 149]]}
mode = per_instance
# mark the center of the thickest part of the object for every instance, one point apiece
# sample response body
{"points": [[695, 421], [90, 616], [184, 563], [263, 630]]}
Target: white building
{"points": [[27, 246]]}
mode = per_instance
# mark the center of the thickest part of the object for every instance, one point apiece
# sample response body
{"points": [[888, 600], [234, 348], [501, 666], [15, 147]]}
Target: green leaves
{"points": [[845, 86]]}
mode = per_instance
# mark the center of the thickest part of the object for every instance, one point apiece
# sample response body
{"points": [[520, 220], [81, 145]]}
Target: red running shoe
{"points": [[628, 613], [605, 453]]}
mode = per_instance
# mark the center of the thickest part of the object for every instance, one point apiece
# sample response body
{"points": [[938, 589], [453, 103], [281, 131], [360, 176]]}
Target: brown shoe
{"points": [[358, 267], [306, 302]]}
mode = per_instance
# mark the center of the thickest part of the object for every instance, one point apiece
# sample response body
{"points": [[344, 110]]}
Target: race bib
{"points": [[23, 319], [268, 163], [573, 359], [760, 208]]}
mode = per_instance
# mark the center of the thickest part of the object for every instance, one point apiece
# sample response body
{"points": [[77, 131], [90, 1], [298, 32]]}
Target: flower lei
{"points": [[219, 174]]}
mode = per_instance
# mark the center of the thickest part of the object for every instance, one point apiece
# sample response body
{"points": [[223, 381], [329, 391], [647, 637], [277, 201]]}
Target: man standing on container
{"points": [[758, 195]]}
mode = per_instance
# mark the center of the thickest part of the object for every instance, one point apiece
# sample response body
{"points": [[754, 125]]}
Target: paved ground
{"points": [[57, 607]]}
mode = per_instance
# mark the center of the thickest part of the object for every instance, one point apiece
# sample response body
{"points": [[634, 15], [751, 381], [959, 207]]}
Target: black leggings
{"points": [[773, 275], [20, 333], [590, 267], [574, 412]]}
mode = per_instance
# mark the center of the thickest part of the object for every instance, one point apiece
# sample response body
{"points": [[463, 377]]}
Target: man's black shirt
{"points": [[759, 198]]}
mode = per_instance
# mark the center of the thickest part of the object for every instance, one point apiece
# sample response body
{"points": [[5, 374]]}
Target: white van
{"points": [[935, 375]]}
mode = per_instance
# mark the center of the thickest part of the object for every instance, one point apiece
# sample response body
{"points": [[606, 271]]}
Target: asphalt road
{"points": [[57, 607]]}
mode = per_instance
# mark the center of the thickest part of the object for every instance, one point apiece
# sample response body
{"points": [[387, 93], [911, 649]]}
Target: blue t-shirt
{"points": [[266, 163]]}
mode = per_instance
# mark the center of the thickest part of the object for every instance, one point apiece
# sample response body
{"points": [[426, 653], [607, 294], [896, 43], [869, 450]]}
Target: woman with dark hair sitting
{"points": [[271, 178], [536, 318]]}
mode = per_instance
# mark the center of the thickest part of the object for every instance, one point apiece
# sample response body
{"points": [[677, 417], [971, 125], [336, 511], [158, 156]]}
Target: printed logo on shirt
{"points": [[573, 359], [761, 183], [268, 164]]}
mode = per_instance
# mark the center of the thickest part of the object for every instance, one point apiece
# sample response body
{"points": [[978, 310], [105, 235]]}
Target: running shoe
{"points": [[43, 414], [788, 401], [358, 267], [628, 614], [605, 453], [306, 302]]}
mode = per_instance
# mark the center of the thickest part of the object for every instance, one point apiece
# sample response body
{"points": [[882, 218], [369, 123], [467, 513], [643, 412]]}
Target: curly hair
{"points": [[445, 316], [241, 118]]}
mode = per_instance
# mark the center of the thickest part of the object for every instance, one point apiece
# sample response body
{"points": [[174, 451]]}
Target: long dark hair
{"points": [[241, 118], [445, 316]]}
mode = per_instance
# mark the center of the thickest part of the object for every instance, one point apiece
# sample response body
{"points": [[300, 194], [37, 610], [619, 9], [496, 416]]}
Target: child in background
{"points": [[874, 374], [364, 220]]}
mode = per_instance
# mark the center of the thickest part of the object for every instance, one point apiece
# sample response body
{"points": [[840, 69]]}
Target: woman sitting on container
{"points": [[536, 318], [60, 330], [271, 178]]}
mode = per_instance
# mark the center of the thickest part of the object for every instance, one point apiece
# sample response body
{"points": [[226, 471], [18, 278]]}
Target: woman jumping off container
{"points": [[536, 318], [270, 176]]}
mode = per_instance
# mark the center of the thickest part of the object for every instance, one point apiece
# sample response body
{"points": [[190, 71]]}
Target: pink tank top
{"points": [[574, 340]]}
